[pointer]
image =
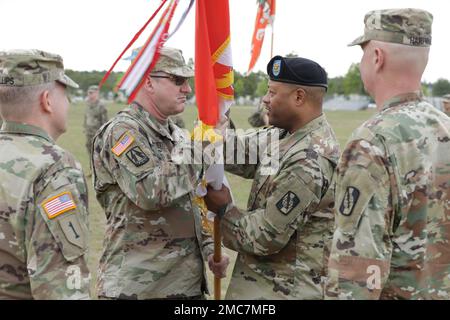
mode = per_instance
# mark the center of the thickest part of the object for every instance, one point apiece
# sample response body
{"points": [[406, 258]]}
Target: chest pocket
{"points": [[160, 150]]}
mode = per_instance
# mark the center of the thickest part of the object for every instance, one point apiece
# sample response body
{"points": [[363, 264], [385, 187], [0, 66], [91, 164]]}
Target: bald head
{"points": [[402, 59], [389, 69]]}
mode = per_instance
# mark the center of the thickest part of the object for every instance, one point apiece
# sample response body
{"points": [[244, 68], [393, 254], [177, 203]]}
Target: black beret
{"points": [[297, 71]]}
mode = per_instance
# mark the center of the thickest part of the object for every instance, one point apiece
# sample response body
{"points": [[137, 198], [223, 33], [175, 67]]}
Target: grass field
{"points": [[343, 122]]}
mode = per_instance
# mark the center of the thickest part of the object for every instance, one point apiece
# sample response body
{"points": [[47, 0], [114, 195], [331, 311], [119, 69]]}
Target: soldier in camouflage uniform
{"points": [[95, 116], [446, 104], [259, 118], [155, 247], [178, 120], [392, 233], [284, 235], [43, 195]]}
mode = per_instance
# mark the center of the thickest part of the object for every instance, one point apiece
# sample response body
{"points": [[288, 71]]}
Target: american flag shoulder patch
{"points": [[58, 204], [124, 142]]}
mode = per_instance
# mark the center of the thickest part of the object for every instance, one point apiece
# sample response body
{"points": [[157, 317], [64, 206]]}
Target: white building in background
{"points": [[352, 102], [358, 102]]}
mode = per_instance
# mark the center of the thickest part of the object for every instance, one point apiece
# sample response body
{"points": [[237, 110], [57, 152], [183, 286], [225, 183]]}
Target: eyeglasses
{"points": [[179, 81]]}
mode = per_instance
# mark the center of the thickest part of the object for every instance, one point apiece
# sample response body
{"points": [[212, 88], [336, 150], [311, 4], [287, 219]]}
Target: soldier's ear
{"points": [[45, 102], [300, 96], [149, 84], [378, 59]]}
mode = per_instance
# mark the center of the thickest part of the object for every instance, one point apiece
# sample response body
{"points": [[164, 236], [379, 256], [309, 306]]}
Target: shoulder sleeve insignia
{"points": [[288, 202], [58, 204], [349, 201], [122, 145], [137, 156]]}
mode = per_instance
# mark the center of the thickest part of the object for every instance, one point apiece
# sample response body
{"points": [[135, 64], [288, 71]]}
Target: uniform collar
{"points": [[293, 138], [22, 128], [151, 121], [309, 127], [403, 98]]}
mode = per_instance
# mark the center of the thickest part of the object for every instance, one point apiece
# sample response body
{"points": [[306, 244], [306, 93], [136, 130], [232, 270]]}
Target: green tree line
{"points": [[254, 85]]}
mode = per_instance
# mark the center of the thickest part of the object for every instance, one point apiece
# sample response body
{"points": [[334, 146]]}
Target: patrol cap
{"points": [[446, 97], [171, 61], [93, 88], [300, 71], [404, 26], [21, 68]]}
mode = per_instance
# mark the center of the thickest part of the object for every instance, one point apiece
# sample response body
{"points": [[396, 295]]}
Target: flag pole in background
{"points": [[264, 16], [136, 36], [273, 32], [214, 90]]}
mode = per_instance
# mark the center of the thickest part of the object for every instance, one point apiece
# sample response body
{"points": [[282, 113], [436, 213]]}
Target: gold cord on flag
{"points": [[204, 132]]}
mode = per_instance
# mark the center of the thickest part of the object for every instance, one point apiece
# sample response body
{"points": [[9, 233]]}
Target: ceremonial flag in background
{"points": [[213, 63], [264, 16], [145, 60]]}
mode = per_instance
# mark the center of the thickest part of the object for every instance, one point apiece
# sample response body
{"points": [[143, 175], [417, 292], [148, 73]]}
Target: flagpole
{"points": [[217, 256], [271, 40]]}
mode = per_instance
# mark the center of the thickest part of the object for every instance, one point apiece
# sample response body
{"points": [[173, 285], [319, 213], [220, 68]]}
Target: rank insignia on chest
{"points": [[58, 204], [122, 145], [349, 201], [137, 156], [288, 202]]}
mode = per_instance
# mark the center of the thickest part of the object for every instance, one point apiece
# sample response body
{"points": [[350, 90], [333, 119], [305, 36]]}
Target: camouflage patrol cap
{"points": [[92, 88], [171, 61], [446, 97], [21, 68], [404, 26]]}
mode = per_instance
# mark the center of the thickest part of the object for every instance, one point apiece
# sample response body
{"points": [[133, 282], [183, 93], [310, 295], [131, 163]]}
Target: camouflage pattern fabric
{"points": [[20, 68], [404, 26], [154, 245], [178, 121], [284, 235], [171, 61], [43, 245], [258, 118], [96, 115], [392, 233]]}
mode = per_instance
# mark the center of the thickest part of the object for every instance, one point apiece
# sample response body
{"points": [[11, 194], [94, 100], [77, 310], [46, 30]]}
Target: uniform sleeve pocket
{"points": [[66, 219], [131, 154], [353, 194]]}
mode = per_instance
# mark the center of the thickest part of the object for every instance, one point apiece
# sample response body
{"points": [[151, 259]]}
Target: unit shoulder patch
{"points": [[349, 201], [288, 202], [137, 156]]}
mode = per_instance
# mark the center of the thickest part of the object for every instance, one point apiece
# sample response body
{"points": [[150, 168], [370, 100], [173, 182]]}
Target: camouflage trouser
{"points": [[89, 140]]}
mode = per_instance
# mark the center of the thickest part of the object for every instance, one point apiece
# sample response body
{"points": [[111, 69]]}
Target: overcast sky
{"points": [[90, 34]]}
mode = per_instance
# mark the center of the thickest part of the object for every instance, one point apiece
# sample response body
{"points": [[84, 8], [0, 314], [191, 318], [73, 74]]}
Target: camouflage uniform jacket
{"points": [[283, 236], [96, 115], [392, 206], [154, 245], [43, 244]]}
